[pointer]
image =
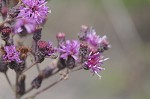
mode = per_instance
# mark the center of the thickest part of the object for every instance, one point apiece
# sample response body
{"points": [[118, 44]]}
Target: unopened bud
{"points": [[60, 38], [36, 83]]}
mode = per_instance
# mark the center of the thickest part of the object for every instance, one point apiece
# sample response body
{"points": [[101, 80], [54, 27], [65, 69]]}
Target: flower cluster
{"points": [[92, 47], [87, 50], [27, 18]]}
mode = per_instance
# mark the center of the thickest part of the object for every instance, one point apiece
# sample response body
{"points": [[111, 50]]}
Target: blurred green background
{"points": [[127, 25]]}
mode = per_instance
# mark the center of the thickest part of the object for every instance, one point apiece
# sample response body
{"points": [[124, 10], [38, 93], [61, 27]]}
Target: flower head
{"points": [[46, 47], [11, 54], [50, 50], [35, 10], [92, 38], [94, 62], [69, 48], [23, 23]]}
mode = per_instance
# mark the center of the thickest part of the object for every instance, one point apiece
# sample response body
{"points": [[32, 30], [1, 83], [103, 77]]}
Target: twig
{"points": [[31, 88], [38, 68], [43, 90], [34, 47], [29, 67], [9, 82], [27, 91], [39, 92], [76, 69]]}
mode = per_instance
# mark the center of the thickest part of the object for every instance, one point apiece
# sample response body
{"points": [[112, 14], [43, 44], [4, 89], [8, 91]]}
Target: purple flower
{"points": [[50, 50], [69, 48], [95, 41], [34, 9], [11, 54], [23, 23], [94, 62], [92, 38]]}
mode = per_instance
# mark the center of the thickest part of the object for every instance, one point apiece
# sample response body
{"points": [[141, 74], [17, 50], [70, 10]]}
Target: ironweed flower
{"points": [[34, 10], [46, 47], [93, 39], [94, 62], [69, 48], [50, 50], [11, 54], [27, 24]]}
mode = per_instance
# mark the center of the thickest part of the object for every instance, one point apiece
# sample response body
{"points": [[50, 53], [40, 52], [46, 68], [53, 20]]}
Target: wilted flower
{"points": [[69, 48], [23, 23], [11, 54], [94, 62], [34, 10]]}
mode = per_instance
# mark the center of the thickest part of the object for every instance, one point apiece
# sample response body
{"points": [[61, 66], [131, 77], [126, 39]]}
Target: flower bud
{"points": [[37, 34], [40, 56], [47, 72], [60, 38], [83, 33], [5, 33], [36, 83], [70, 62], [61, 64]]}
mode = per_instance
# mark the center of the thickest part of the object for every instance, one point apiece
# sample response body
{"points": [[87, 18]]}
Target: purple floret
{"points": [[11, 54], [94, 62], [35, 10], [50, 50], [93, 39], [70, 48], [28, 24]]}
